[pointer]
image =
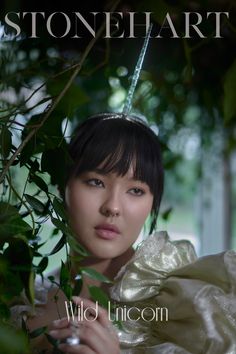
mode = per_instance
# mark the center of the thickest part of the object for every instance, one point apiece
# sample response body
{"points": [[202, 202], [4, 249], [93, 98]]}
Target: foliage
{"points": [[18, 346], [187, 88]]}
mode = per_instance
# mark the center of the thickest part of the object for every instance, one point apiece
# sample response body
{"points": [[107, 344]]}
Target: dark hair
{"points": [[113, 143]]}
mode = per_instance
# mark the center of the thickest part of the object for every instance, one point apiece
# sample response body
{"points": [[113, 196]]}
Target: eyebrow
{"points": [[101, 172]]}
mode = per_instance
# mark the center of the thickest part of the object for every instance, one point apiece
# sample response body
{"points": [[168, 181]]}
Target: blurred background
{"points": [[187, 92]]}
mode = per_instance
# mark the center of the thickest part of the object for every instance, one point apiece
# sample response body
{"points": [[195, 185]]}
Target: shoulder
{"points": [[154, 259], [159, 244], [198, 295], [215, 269]]}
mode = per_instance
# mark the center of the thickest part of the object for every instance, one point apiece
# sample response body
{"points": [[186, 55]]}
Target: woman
{"points": [[172, 302], [115, 182]]}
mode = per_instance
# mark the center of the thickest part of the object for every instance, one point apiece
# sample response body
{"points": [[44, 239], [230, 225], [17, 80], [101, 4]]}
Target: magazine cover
{"points": [[118, 177]]}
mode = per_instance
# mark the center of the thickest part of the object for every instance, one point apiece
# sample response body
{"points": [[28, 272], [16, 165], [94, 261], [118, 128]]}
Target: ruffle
{"points": [[143, 275], [199, 294]]}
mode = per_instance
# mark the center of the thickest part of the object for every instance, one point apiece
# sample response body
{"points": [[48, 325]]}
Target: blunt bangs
{"points": [[116, 145]]}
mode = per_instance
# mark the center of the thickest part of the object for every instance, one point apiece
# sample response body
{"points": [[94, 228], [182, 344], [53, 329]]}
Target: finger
{"points": [[76, 349], [101, 315], [96, 337], [88, 304], [61, 323], [61, 333]]}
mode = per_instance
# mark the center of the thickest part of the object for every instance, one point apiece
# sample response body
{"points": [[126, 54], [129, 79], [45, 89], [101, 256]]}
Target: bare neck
{"points": [[107, 267]]}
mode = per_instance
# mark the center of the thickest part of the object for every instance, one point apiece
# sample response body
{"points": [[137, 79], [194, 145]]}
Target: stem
{"points": [[22, 202], [64, 132], [26, 182], [57, 99]]}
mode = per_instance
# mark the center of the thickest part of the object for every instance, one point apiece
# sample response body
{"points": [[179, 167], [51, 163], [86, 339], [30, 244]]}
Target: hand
{"points": [[96, 336]]}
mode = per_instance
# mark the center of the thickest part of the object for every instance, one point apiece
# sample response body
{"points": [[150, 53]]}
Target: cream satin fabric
{"points": [[200, 295]]}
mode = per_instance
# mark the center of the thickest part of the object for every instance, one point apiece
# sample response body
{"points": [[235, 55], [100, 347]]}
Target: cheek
{"points": [[81, 203], [139, 211], [79, 210]]}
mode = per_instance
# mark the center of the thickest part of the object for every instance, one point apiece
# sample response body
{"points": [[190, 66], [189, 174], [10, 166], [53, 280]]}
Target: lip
{"points": [[107, 231]]}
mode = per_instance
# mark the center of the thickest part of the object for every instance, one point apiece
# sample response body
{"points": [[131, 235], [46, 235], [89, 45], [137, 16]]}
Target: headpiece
{"points": [[125, 114], [128, 102]]}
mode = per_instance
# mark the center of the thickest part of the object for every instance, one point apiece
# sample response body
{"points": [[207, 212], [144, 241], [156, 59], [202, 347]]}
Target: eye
{"points": [[136, 191], [95, 182]]}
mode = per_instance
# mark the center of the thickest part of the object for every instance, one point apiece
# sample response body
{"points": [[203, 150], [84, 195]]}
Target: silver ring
{"points": [[73, 341]]}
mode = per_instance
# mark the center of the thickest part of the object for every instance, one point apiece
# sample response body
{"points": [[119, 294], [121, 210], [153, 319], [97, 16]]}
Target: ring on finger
{"points": [[74, 339]]}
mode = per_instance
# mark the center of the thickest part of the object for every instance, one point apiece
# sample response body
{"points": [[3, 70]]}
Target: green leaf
{"points": [[59, 208], [54, 161], [7, 211], [229, 101], [19, 256], [37, 332], [13, 341], [34, 146], [97, 294], [30, 290], [5, 141], [77, 247], [61, 243], [42, 265], [4, 310], [74, 97], [61, 226], [93, 274], [11, 283], [11, 222], [65, 280], [78, 286], [34, 166], [51, 278], [54, 342], [39, 182], [166, 214], [64, 274], [35, 203], [24, 326]]}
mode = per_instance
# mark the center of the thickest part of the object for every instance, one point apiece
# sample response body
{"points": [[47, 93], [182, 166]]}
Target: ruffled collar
{"points": [[142, 276]]}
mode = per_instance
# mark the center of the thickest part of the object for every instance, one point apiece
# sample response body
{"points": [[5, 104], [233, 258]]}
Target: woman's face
{"points": [[107, 211]]}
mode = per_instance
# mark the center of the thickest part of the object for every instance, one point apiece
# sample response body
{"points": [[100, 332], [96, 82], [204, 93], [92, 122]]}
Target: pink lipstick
{"points": [[107, 231]]}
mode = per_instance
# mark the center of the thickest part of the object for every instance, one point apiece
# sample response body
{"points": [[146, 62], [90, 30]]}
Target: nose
{"points": [[111, 206]]}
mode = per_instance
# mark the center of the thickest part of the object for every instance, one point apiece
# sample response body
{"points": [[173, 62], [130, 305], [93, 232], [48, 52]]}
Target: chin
{"points": [[105, 255], [105, 251]]}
